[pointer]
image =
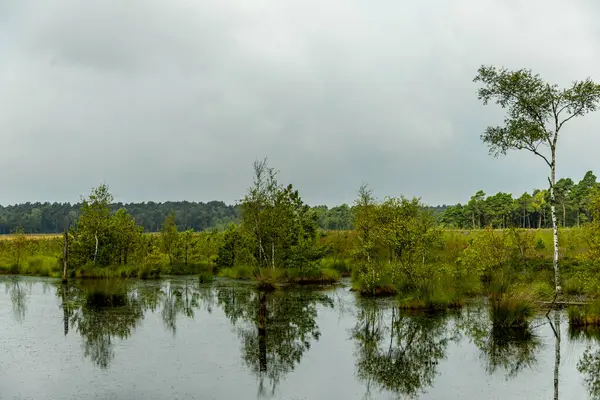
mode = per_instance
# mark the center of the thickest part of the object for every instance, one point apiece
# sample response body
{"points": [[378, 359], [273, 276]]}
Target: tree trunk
{"points": [[539, 220], [564, 214], [96, 251], [554, 224], [65, 257], [262, 333], [556, 352], [65, 308], [273, 255], [473, 218]]}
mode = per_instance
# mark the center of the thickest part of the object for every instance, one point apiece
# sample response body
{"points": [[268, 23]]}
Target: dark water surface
{"points": [[178, 339]]}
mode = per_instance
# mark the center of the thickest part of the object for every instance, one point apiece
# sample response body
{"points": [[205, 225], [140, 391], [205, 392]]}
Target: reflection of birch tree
{"points": [[18, 291], [275, 329], [508, 349], [398, 352]]}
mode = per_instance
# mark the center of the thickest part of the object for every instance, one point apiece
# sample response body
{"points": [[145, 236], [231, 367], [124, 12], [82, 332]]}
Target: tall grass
{"points": [[585, 316], [513, 308]]}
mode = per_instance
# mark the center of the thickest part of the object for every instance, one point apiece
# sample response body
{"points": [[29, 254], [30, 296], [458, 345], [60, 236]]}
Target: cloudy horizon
{"points": [[175, 100]]}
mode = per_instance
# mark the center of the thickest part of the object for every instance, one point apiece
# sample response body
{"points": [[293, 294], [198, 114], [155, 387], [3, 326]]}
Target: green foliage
{"points": [[169, 237], [528, 211], [237, 272], [19, 243], [93, 228], [512, 308], [235, 249], [532, 107], [278, 233], [539, 244], [396, 248], [584, 316]]}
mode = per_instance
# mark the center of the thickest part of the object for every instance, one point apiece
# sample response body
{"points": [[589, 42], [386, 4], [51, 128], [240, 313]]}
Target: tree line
{"points": [[530, 210], [502, 210], [56, 217]]}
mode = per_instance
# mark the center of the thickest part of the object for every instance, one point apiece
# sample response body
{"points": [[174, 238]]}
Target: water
{"points": [[178, 339]]}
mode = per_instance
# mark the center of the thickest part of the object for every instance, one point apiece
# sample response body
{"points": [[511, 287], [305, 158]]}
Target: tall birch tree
{"points": [[536, 112]]}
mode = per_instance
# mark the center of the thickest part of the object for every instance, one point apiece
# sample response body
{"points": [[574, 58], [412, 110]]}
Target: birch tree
{"points": [[94, 220], [536, 112]]}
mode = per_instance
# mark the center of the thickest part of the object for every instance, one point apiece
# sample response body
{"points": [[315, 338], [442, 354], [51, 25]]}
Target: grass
{"points": [[585, 316], [269, 277], [242, 272], [206, 277], [512, 309], [435, 303], [311, 276], [121, 271], [342, 266]]}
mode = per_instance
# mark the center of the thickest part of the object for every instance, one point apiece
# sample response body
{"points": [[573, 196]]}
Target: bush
{"points": [[540, 245]]}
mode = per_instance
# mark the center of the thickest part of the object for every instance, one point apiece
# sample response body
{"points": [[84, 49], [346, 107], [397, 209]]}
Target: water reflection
{"points": [[100, 312], [589, 364], [399, 352], [395, 352], [275, 329], [18, 290], [105, 310], [502, 349]]}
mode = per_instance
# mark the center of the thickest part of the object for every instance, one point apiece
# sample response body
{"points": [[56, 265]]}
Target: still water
{"points": [[179, 339]]}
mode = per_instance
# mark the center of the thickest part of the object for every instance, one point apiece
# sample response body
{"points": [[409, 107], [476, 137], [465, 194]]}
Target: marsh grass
{"points": [[121, 271], [342, 266], [513, 308], [206, 277], [584, 316]]}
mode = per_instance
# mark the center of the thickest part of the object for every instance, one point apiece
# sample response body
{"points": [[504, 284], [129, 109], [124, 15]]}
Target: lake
{"points": [[180, 339]]}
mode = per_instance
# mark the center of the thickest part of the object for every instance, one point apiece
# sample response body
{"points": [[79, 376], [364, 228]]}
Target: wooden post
{"points": [[65, 256]]}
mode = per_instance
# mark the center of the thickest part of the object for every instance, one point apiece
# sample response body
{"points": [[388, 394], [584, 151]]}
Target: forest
{"points": [[56, 217], [502, 210]]}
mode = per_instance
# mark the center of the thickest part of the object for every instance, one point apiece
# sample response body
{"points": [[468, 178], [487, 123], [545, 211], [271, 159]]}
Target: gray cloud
{"points": [[168, 100]]}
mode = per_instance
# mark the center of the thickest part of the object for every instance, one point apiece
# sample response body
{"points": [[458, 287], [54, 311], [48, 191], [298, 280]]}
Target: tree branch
{"points": [[534, 150], [576, 113]]}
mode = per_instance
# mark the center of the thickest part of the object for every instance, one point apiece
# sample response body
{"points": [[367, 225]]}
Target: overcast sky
{"points": [[174, 100]]}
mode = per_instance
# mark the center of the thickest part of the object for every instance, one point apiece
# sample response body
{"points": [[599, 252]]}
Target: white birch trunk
{"points": [[554, 226], [96, 251]]}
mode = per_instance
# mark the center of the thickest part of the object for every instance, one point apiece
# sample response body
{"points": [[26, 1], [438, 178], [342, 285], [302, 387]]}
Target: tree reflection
{"points": [[275, 329], [18, 290], [184, 297], [589, 364], [101, 311], [397, 351], [508, 349], [104, 311]]}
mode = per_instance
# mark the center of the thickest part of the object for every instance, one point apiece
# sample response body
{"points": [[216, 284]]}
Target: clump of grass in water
{"points": [[434, 298], [315, 275], [512, 309], [585, 316], [237, 272], [205, 277], [266, 279]]}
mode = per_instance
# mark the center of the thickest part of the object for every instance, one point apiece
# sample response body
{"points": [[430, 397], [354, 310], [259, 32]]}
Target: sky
{"points": [[174, 100]]}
